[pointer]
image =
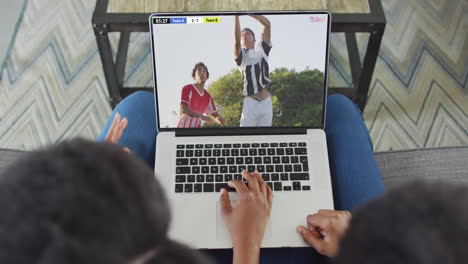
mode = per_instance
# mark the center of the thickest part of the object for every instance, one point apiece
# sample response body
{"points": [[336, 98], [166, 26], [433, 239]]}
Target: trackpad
{"points": [[223, 233]]}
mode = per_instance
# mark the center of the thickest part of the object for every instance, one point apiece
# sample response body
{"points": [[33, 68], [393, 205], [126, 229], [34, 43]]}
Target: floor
{"points": [[52, 86]]}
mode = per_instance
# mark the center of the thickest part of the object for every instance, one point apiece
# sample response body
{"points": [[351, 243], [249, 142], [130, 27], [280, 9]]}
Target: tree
{"points": [[297, 97]]}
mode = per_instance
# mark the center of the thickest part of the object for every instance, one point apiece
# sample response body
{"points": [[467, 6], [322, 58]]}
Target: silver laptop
{"points": [[241, 91]]}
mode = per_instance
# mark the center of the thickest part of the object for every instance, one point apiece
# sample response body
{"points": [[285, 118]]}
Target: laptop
{"points": [[241, 91]]}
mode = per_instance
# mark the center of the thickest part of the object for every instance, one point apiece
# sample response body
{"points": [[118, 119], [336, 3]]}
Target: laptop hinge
{"points": [[239, 132]]}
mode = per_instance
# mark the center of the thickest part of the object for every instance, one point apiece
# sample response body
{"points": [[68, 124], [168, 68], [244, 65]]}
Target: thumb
{"points": [[310, 238], [225, 203]]}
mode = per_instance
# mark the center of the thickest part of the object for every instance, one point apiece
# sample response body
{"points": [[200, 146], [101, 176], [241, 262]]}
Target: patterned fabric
{"points": [[52, 86]]}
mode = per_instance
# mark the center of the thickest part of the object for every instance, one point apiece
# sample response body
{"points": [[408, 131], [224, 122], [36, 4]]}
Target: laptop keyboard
{"points": [[208, 167]]}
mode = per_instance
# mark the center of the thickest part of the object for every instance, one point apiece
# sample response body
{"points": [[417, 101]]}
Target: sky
{"points": [[297, 43]]}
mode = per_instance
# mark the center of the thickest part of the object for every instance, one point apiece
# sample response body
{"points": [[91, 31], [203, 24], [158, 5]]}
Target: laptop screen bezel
{"points": [[225, 130]]}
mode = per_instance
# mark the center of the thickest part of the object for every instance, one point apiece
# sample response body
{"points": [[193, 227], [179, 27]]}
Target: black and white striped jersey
{"points": [[253, 64]]}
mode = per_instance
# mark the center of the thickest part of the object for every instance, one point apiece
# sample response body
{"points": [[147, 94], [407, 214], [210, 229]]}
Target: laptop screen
{"points": [[238, 70]]}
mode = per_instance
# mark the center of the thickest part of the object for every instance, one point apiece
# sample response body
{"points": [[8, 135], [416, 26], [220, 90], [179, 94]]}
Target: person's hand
{"points": [[116, 130], [220, 119], [205, 118], [247, 220], [324, 231]]}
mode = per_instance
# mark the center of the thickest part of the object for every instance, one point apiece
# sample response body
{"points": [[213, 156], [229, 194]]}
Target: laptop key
{"points": [[197, 187], [198, 153], [238, 177], [303, 159], [193, 161], [287, 188], [225, 152], [208, 187], [274, 145], [289, 151], [188, 187], [255, 145], [283, 145], [218, 145], [293, 144], [216, 152], [275, 177], [278, 168], [208, 145], [285, 159], [302, 144], [200, 178], [270, 168], [305, 187], [227, 145], [276, 160], [230, 161], [294, 159], [179, 188], [240, 160], [221, 161], [180, 153], [234, 152], [297, 167], [205, 169], [196, 170], [207, 153], [284, 176], [242, 168], [180, 178], [265, 145], [278, 186], [296, 186], [214, 169], [300, 151], [182, 162], [219, 178], [182, 170], [212, 161], [279, 151], [189, 153], [228, 177], [190, 146], [253, 152], [191, 178], [266, 177], [180, 146], [260, 168], [299, 176], [288, 168], [244, 152], [223, 169], [250, 168], [219, 186], [199, 146], [258, 160], [236, 145], [209, 178], [232, 169], [248, 160], [305, 167], [246, 145]]}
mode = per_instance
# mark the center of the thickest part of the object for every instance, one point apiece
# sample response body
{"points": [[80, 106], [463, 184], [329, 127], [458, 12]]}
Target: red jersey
{"points": [[201, 103]]}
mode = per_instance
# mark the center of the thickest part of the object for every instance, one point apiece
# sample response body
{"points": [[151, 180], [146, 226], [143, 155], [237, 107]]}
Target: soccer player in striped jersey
{"points": [[196, 103], [252, 61]]}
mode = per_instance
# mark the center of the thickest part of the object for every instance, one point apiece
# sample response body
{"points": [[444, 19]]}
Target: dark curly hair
{"points": [[84, 202], [200, 64], [421, 222]]}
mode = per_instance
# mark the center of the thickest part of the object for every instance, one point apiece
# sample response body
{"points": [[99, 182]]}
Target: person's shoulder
{"points": [[187, 87], [207, 93]]}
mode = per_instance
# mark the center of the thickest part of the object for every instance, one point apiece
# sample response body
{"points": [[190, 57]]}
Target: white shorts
{"points": [[256, 113]]}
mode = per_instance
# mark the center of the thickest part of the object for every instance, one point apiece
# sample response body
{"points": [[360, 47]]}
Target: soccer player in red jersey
{"points": [[196, 103]]}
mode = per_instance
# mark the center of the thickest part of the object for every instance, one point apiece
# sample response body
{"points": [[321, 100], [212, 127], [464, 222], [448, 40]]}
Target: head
{"points": [[85, 202], [200, 73], [247, 38], [422, 222]]}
